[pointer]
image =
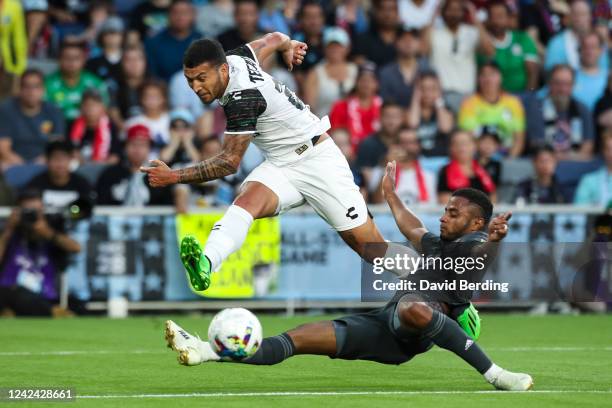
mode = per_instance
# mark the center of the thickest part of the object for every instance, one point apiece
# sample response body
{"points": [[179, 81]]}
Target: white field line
{"points": [[161, 350], [336, 393]]}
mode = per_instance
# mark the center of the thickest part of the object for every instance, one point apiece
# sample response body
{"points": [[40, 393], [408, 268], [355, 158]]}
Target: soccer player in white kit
{"points": [[302, 163]]}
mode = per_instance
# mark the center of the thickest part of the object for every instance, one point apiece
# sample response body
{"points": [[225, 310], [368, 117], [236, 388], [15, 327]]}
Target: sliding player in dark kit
{"points": [[412, 322]]}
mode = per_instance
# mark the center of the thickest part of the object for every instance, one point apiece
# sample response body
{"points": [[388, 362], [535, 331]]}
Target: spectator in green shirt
{"points": [[66, 86], [515, 52]]}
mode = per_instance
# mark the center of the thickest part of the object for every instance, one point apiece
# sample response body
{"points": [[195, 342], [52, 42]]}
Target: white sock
{"points": [[228, 234], [492, 373]]}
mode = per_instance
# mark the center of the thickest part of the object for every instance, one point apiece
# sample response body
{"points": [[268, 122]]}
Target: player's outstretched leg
{"points": [[447, 334], [312, 338], [228, 234]]}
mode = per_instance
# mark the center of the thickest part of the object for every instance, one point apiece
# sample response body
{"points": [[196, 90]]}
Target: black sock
{"points": [[447, 334], [273, 350]]}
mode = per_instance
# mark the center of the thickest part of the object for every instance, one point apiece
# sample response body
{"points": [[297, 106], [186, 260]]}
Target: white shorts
{"points": [[323, 179]]}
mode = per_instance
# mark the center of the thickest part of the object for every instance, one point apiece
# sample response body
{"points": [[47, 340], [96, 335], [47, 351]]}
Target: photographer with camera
{"points": [[33, 252]]}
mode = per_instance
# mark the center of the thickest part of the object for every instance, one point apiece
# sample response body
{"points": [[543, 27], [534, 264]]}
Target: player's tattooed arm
{"points": [[221, 165], [293, 51]]}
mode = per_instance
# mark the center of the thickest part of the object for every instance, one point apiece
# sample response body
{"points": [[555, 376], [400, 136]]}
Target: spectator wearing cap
{"points": [[107, 65], [165, 50], [359, 112], [66, 86], [463, 170], [27, 122], [181, 148], [153, 99], [542, 188], [591, 78], [515, 51], [378, 44], [93, 134], [332, 78], [397, 78], [563, 48], [417, 14], [560, 120], [125, 100], [58, 184], [452, 48], [429, 115], [493, 107], [246, 16], [123, 183]]}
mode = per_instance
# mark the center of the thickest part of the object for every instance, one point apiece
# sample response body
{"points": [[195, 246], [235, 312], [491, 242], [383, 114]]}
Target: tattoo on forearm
{"points": [[218, 166], [207, 170]]}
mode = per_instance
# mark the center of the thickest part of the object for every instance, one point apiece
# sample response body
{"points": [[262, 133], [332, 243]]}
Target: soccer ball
{"points": [[234, 334]]}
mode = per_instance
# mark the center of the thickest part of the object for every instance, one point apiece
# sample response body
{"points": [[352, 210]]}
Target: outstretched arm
{"points": [[293, 51], [409, 224], [221, 165]]}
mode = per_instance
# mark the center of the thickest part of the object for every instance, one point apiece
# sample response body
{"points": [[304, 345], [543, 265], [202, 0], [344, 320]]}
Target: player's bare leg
{"points": [[446, 333], [361, 238], [254, 201]]}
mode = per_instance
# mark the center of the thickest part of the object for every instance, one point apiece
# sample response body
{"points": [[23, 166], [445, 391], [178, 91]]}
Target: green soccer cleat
{"points": [[196, 264]]}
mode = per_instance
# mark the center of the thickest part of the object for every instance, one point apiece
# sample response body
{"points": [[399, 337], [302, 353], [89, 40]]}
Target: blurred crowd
{"points": [[513, 97]]}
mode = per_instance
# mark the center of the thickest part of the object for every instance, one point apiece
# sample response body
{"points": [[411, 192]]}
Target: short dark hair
{"points": [[390, 103], [479, 199], [490, 63], [308, 3], [545, 148], [175, 2], [202, 51], [239, 2], [428, 73], [32, 72], [60, 145], [499, 3], [66, 45], [561, 67], [93, 94]]}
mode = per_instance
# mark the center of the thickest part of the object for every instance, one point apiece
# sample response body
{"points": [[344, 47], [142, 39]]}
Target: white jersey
{"points": [[255, 103]]}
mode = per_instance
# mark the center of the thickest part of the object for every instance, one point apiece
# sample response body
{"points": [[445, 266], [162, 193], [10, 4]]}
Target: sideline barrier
{"points": [[133, 253]]}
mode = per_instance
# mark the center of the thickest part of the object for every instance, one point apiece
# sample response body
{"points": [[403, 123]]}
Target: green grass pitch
{"points": [[570, 358]]}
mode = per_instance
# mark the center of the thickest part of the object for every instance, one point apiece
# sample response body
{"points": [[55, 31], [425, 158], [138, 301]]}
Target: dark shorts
{"points": [[377, 336]]}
